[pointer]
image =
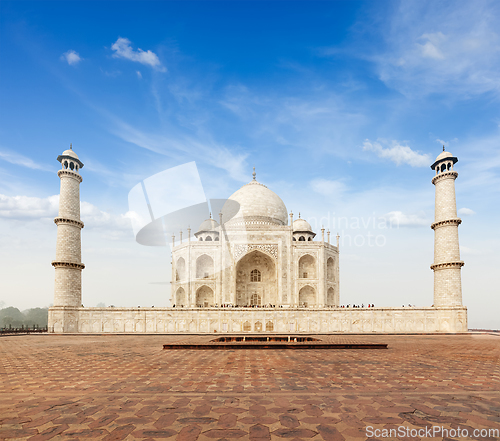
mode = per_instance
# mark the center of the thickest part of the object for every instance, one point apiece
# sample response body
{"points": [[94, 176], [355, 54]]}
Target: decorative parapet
{"points": [[241, 250], [457, 221], [67, 221], [447, 265], [70, 174], [443, 175], [57, 264]]}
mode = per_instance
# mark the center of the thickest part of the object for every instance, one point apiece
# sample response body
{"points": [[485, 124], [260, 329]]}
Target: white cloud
{"points": [[17, 159], [72, 57], [123, 49], [139, 75], [466, 212], [26, 208], [400, 154], [400, 219], [328, 187], [439, 47], [429, 48], [441, 142]]}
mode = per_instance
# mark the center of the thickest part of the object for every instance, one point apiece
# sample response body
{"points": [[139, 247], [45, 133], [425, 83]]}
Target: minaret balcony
{"points": [[444, 223], [447, 265], [67, 221]]}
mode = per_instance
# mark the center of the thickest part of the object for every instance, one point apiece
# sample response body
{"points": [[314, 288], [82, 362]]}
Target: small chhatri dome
{"points": [[301, 225], [254, 201], [443, 156], [70, 154], [208, 225]]}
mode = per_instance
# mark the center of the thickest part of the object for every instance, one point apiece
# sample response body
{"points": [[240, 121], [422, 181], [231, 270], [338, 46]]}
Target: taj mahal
{"points": [[256, 258], [256, 270]]}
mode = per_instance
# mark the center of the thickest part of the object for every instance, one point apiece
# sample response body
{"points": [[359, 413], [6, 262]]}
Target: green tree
{"points": [[36, 316], [11, 317]]}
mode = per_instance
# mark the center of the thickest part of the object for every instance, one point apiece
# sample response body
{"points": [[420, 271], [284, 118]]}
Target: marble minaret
{"points": [[68, 263], [447, 264]]}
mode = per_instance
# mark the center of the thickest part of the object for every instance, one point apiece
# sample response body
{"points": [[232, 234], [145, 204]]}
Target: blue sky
{"points": [[340, 106]]}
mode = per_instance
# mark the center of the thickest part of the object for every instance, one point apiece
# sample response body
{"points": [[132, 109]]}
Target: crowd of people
{"points": [[370, 305]]}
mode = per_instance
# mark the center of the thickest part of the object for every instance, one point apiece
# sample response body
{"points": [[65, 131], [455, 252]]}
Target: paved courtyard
{"points": [[114, 387]]}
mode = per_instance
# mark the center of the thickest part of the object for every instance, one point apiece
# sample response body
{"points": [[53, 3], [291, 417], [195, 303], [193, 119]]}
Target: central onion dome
{"points": [[255, 202]]}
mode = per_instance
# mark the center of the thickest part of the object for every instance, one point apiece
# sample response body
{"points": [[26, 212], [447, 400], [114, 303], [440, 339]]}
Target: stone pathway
{"points": [[114, 387]]}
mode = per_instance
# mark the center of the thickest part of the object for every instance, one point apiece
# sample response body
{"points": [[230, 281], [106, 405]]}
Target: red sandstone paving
{"points": [[127, 387]]}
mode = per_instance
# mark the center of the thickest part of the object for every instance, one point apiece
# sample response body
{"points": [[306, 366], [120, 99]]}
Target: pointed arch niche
{"points": [[307, 296], [256, 280], [180, 297], [204, 267], [307, 267], [204, 296]]}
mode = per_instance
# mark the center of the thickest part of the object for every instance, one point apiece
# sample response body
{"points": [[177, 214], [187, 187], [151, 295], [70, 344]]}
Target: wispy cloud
{"points": [[71, 57], [466, 212], [397, 153], [17, 159], [400, 219], [187, 148], [123, 49], [328, 187], [442, 47]]}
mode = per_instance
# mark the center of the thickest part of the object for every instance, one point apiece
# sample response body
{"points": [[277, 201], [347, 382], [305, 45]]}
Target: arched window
{"points": [[208, 239], [449, 165], [269, 326], [310, 239], [201, 238], [65, 164], [216, 238], [302, 239], [255, 276], [255, 299], [295, 240], [443, 167], [71, 166]]}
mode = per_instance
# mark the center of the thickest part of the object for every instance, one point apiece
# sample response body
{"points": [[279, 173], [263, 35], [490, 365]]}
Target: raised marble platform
{"points": [[258, 320]]}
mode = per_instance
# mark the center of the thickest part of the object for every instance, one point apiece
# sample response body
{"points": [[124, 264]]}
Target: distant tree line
{"points": [[12, 317]]}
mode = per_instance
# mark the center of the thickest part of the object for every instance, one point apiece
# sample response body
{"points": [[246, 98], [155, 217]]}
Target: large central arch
{"points": [[256, 280]]}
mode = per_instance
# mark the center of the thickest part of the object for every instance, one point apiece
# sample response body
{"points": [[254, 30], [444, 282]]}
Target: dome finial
{"points": [[71, 146], [299, 214], [254, 174], [210, 215], [443, 148]]}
